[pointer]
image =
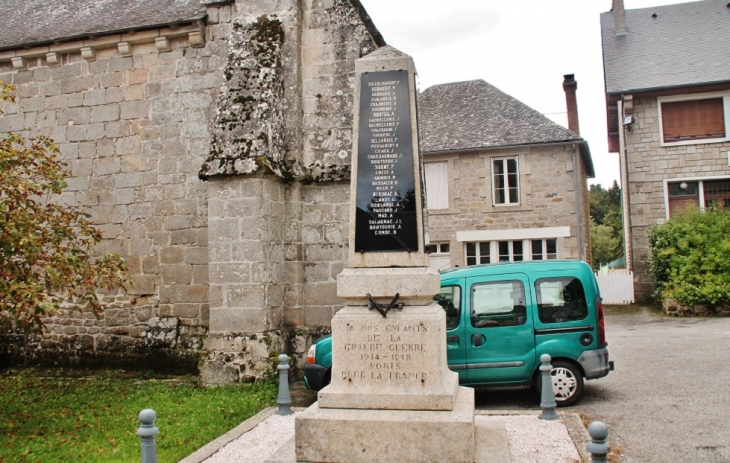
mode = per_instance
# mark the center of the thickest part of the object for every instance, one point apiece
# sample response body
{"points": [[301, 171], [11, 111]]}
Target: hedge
{"points": [[690, 257]]}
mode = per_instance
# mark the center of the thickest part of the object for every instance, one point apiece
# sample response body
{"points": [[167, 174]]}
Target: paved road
{"points": [[669, 398]]}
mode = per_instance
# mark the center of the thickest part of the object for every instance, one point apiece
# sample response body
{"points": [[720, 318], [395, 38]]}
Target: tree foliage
{"points": [[46, 248], [689, 257], [606, 223], [607, 246]]}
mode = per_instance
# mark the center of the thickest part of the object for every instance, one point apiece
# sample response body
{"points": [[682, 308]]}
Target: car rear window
{"points": [[500, 303], [560, 299], [450, 299]]}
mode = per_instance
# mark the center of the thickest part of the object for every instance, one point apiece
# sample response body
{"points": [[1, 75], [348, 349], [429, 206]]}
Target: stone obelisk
{"points": [[392, 397]]}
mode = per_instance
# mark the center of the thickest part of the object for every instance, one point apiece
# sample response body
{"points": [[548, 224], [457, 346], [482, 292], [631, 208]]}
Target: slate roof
{"points": [[686, 44], [474, 115], [35, 22]]}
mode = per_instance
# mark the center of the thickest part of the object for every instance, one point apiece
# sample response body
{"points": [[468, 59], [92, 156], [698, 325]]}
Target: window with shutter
{"points": [[689, 120], [437, 185]]}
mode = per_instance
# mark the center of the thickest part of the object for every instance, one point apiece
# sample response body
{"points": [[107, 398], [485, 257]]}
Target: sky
{"points": [[522, 47]]}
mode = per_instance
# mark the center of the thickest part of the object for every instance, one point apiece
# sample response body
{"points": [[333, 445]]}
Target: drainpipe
{"points": [[624, 164], [579, 232]]}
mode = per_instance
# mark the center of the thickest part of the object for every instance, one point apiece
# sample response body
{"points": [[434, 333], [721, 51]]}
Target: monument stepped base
{"points": [[396, 436], [387, 436]]}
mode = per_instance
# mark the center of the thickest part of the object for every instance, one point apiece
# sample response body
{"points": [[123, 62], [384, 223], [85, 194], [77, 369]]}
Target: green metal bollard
{"points": [[284, 399], [547, 396], [147, 433], [598, 447]]}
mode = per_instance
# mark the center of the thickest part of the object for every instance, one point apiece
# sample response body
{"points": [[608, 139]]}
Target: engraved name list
{"points": [[386, 205]]}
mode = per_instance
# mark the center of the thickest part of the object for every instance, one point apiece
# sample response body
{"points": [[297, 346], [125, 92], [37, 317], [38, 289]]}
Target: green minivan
{"points": [[500, 318]]}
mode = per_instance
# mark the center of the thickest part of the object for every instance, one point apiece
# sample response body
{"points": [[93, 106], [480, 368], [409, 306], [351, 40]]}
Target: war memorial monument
{"points": [[392, 397]]}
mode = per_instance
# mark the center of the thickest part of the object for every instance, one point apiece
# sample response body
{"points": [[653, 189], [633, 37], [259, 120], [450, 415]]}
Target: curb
{"points": [[578, 433]]}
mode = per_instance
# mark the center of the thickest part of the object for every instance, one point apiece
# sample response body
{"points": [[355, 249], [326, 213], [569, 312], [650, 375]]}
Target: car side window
{"points": [[450, 299], [560, 299], [499, 303]]}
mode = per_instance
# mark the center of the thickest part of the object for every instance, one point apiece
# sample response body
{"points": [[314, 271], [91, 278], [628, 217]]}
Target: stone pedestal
{"points": [[392, 397]]}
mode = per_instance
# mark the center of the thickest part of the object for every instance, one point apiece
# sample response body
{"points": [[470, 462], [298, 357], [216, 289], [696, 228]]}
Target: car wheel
{"points": [[327, 379], [567, 382]]}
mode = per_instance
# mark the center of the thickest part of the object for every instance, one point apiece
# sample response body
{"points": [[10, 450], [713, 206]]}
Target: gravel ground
{"points": [[534, 440], [530, 440]]}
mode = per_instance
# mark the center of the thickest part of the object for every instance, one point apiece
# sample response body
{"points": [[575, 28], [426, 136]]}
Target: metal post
{"points": [[547, 396], [598, 447], [147, 433], [284, 399]]}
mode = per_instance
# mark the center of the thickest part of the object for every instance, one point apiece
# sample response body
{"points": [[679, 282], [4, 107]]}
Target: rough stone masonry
{"points": [[214, 155]]}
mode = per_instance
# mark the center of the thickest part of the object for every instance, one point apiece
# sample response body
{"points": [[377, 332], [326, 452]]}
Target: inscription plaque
{"points": [[386, 353], [385, 217]]}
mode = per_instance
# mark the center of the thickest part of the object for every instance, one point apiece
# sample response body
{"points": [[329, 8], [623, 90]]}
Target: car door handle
{"points": [[452, 339], [478, 339]]}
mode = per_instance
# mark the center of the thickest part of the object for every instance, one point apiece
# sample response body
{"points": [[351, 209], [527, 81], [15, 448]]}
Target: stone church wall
{"points": [[230, 266], [294, 222]]}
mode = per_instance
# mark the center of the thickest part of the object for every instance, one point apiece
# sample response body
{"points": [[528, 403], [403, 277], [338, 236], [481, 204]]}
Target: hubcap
{"points": [[564, 383]]}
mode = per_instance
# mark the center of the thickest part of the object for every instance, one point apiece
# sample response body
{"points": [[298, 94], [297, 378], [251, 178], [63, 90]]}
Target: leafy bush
{"points": [[690, 257]]}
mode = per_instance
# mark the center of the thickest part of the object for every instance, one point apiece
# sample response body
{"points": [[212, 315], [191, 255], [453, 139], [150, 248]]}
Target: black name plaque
{"points": [[386, 218]]}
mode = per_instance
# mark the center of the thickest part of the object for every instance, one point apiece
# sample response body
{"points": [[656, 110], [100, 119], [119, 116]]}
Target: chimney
{"points": [[619, 17], [570, 86]]}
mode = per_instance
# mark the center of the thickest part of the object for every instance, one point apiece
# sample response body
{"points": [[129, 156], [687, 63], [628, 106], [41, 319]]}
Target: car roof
{"points": [[531, 267]]}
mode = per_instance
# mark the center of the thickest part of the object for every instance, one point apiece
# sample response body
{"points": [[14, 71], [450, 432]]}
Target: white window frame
{"points": [[437, 185], [440, 248], [504, 159], [544, 248], [700, 189], [511, 250], [725, 95], [494, 255], [478, 256], [443, 251]]}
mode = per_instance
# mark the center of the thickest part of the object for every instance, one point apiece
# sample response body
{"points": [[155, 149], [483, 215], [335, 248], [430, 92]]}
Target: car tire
{"points": [[327, 379], [567, 382]]}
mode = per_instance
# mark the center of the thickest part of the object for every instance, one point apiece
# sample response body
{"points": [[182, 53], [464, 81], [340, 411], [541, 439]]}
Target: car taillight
{"points": [[312, 353], [601, 327]]}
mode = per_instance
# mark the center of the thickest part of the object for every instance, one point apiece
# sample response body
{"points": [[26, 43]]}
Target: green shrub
{"points": [[690, 257]]}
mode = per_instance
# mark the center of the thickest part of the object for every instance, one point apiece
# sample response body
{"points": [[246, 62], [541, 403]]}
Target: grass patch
{"points": [[65, 415]]}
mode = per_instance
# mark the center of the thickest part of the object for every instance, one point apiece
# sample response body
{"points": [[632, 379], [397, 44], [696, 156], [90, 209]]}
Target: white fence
{"points": [[617, 286]]}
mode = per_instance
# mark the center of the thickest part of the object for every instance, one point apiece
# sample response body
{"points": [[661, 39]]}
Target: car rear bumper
{"points": [[314, 376], [595, 363]]}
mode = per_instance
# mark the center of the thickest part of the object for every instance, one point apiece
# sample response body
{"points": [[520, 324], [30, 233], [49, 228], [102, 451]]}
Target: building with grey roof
{"points": [[503, 181], [667, 81]]}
